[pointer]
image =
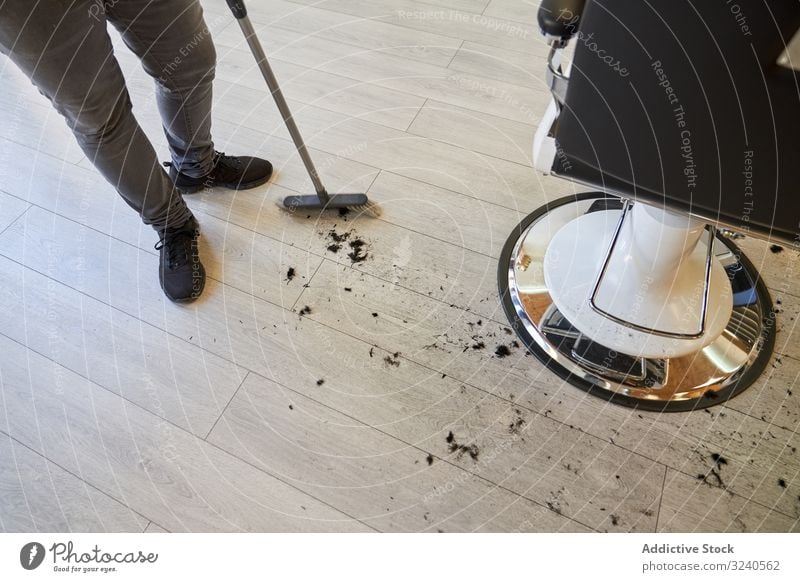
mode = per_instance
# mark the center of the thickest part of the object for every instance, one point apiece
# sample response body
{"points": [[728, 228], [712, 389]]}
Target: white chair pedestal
{"points": [[632, 304]]}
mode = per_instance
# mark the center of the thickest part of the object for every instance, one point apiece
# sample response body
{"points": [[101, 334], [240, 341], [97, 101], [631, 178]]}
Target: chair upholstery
{"points": [[682, 104]]}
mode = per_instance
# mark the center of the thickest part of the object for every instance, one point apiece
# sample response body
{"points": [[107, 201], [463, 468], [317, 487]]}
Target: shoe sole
{"points": [[229, 186]]}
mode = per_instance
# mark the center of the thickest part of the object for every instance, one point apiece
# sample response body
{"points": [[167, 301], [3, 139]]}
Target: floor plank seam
{"points": [[256, 21], [289, 484], [416, 115], [432, 5], [527, 165], [441, 240], [380, 18], [29, 146], [411, 445], [543, 90], [356, 82], [459, 68], [235, 392], [317, 103], [458, 50], [661, 498], [306, 285], [375, 178], [177, 427], [73, 474], [17, 219], [464, 194], [105, 388]]}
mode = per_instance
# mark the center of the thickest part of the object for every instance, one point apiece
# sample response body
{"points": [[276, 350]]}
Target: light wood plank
{"points": [[11, 209], [81, 194], [777, 262], [323, 49], [157, 469], [516, 10], [169, 377], [476, 132], [691, 507], [442, 214], [368, 101], [526, 69], [422, 16], [786, 325], [773, 398], [380, 480], [475, 6], [354, 30], [38, 496], [433, 81], [299, 83]]}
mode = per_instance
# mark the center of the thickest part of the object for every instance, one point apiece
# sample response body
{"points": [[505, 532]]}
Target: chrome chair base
{"points": [[706, 377]]}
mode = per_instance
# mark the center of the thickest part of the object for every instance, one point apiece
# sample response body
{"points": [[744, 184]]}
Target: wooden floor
{"points": [[324, 401]]}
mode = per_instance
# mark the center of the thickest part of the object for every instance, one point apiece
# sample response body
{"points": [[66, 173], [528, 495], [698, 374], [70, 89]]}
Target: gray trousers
{"points": [[63, 46]]}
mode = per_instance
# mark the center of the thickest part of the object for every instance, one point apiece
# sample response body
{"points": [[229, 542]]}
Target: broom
{"points": [[322, 200]]}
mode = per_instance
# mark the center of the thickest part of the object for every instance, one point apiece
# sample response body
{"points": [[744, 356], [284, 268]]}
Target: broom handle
{"points": [[239, 11]]}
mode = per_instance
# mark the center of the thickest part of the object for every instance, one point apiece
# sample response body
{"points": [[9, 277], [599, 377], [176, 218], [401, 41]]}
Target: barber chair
{"points": [[680, 119]]}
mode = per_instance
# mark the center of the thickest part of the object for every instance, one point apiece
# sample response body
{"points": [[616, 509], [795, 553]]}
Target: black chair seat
{"points": [[682, 104]]}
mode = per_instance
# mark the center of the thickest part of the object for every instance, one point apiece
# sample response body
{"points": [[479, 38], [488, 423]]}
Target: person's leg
{"points": [[67, 54], [174, 44], [175, 47]]}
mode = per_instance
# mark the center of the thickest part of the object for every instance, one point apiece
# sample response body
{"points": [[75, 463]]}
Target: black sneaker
{"points": [[235, 172], [180, 271]]}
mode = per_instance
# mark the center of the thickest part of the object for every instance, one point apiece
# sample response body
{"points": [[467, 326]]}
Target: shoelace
{"points": [[221, 164], [179, 248], [224, 164]]}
